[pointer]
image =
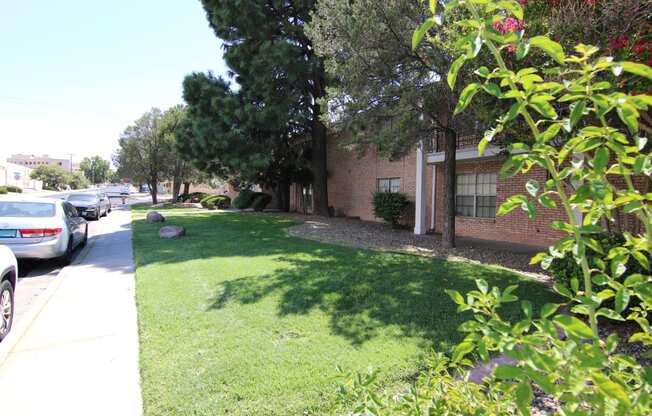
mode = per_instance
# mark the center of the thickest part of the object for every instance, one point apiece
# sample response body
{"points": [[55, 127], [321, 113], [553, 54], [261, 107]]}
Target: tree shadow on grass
{"points": [[367, 294], [364, 293]]}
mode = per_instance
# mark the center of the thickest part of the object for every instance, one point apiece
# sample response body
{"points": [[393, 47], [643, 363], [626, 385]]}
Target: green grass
{"points": [[237, 318]]}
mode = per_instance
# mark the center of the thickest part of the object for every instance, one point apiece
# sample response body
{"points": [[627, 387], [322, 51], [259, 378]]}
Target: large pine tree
{"points": [[274, 63]]}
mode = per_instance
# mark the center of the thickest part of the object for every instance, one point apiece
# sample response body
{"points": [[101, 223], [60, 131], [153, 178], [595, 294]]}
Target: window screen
{"points": [[476, 195], [388, 185]]}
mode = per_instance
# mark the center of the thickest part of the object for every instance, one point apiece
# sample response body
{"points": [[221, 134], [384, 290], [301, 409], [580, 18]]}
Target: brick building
{"points": [[419, 175]]}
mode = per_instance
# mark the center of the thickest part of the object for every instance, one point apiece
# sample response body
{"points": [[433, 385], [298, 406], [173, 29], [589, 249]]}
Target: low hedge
{"points": [[219, 201], [261, 200], [390, 206], [3, 190], [15, 189], [244, 199]]}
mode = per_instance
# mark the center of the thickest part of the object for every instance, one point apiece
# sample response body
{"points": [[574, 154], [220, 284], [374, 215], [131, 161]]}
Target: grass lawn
{"points": [[237, 318]]}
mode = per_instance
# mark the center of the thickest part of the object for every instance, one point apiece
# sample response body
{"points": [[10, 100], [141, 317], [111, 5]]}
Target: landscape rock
{"points": [[171, 231], [154, 216]]}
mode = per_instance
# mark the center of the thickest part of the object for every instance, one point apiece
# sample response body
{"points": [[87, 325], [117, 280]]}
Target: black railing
{"points": [[437, 143]]}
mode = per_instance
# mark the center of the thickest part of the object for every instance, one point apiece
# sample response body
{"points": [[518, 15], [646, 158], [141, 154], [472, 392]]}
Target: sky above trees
{"points": [[75, 73]]}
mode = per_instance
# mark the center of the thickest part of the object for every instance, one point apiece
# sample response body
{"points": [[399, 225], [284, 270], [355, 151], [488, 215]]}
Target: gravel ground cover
{"points": [[379, 236]]}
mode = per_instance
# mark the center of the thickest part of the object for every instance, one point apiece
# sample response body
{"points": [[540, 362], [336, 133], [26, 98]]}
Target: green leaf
{"points": [[577, 112], [492, 89], [420, 32], [574, 326], [601, 159], [522, 50], [548, 309], [609, 313], [551, 132], [482, 285], [513, 7], [629, 115], [610, 388], [456, 296], [455, 68], [637, 69], [550, 47], [466, 96], [507, 371], [482, 146], [544, 108], [524, 397], [461, 350], [547, 202], [621, 299], [526, 305]]}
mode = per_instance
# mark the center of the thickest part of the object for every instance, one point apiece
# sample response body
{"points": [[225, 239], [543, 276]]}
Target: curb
{"points": [[17, 333]]}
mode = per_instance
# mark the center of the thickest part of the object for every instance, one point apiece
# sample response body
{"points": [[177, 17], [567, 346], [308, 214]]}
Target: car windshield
{"points": [[26, 209], [82, 197]]}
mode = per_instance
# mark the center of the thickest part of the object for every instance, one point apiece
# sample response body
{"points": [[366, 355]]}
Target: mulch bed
{"points": [[379, 236]]}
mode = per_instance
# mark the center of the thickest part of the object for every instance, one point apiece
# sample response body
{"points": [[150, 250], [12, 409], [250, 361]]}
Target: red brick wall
{"points": [[352, 180], [514, 227]]}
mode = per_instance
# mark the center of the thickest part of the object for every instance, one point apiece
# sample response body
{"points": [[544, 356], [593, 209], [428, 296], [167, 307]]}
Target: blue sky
{"points": [[75, 73]]}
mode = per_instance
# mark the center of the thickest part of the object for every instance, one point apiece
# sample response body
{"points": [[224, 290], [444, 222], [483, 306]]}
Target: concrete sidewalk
{"points": [[79, 356]]}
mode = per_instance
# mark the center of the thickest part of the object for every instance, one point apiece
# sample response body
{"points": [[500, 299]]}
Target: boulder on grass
{"points": [[171, 231], [154, 216]]}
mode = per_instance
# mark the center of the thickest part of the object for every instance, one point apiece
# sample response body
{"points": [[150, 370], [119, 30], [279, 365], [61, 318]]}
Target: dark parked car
{"points": [[90, 205]]}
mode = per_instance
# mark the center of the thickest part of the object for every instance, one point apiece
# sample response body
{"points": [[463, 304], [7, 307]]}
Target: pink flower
{"points": [[523, 2], [508, 25], [590, 2]]}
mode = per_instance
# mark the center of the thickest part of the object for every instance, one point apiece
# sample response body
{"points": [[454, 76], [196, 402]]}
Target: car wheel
{"points": [[66, 259], [85, 240], [6, 308]]}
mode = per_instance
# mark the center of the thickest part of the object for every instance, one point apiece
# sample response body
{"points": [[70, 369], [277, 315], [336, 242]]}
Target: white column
{"points": [[420, 212], [433, 202]]}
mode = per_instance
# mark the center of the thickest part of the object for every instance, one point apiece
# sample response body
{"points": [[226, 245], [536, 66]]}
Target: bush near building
{"points": [[390, 206]]}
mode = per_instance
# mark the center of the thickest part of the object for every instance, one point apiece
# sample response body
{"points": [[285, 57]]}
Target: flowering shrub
{"points": [[585, 134]]}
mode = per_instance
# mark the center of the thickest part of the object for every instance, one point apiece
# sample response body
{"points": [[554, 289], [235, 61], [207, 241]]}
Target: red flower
{"points": [[523, 2], [590, 2], [642, 46], [619, 42]]}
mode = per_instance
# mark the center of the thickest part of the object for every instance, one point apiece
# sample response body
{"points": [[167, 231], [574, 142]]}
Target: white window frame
{"points": [[475, 194]]}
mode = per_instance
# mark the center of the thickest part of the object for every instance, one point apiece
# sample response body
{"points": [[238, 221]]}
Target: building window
{"points": [[388, 184], [475, 195]]}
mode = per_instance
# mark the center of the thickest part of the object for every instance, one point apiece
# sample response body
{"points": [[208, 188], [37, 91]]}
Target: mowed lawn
{"points": [[238, 318]]}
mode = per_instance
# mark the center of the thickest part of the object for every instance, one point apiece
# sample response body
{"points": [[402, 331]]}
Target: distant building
{"points": [[33, 162], [12, 174]]}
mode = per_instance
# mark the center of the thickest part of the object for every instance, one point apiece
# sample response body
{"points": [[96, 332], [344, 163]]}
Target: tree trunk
{"points": [[153, 190], [176, 180], [319, 168], [283, 196], [186, 187], [320, 180], [448, 229]]}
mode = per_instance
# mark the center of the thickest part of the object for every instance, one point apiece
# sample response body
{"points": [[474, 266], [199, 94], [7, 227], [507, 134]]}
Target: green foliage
{"points": [[244, 199], [261, 200], [77, 180], [257, 132], [15, 189], [53, 177], [219, 201], [390, 206], [565, 269], [95, 169], [585, 135], [3, 190]]}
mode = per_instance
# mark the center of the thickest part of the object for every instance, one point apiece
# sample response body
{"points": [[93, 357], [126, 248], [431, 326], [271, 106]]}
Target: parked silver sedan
{"points": [[41, 228]]}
